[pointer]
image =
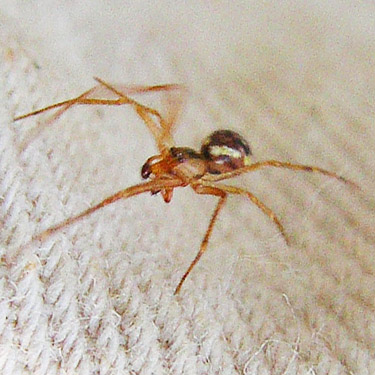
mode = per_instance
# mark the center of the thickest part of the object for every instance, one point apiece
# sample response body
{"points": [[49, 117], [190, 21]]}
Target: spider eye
{"points": [[225, 151]]}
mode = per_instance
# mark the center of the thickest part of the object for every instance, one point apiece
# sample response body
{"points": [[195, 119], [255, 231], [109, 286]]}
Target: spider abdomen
{"points": [[225, 151]]}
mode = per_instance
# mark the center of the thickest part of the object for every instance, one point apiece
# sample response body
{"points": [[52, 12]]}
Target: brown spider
{"points": [[224, 154]]}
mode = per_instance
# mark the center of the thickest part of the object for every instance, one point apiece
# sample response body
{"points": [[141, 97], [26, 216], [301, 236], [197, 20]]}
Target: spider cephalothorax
{"points": [[179, 161], [224, 154]]}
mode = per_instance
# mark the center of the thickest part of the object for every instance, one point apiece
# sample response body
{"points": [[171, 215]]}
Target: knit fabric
{"points": [[297, 82]]}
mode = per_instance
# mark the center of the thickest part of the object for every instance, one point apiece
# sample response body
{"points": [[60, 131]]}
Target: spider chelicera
{"points": [[224, 154]]}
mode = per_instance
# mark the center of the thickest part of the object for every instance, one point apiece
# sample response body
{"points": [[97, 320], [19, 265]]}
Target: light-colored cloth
{"points": [[97, 298]]}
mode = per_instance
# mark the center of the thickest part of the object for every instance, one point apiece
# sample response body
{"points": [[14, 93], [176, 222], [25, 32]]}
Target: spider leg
{"points": [[96, 90], [131, 191], [265, 209], [163, 140], [83, 100], [223, 197], [280, 164], [65, 106], [67, 103], [139, 89], [173, 104], [162, 135]]}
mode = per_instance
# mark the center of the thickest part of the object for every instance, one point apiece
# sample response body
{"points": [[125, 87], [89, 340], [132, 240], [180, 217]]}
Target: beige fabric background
{"points": [[298, 82]]}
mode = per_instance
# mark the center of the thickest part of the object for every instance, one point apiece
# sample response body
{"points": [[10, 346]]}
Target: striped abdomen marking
{"points": [[225, 151]]}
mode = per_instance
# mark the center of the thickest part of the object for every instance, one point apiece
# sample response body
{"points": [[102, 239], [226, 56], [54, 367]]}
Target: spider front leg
{"points": [[160, 132], [163, 136], [208, 190], [150, 186], [83, 99], [63, 107]]}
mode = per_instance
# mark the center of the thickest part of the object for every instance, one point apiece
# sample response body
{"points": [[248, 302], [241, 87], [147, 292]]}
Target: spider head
{"points": [[225, 151]]}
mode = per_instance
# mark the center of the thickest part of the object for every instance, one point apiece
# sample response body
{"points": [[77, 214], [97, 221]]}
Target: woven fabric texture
{"points": [[297, 81]]}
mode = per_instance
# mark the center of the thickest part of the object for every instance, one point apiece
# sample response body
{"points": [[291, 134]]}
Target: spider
{"points": [[224, 154]]}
